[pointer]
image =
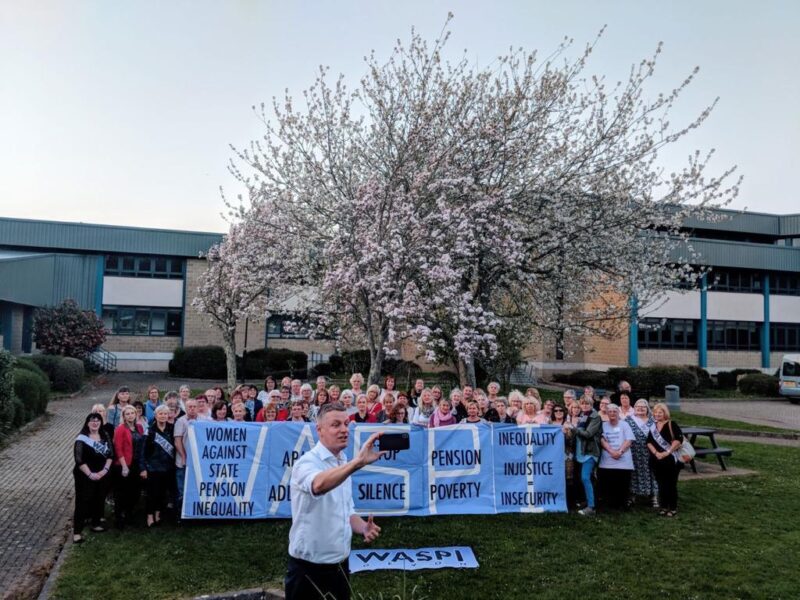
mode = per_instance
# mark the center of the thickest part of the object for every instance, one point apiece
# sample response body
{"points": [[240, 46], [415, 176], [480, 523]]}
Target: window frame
{"points": [[134, 313]]}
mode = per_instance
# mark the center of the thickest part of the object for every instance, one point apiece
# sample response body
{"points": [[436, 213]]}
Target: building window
{"points": [[284, 327], [281, 327], [734, 335], [667, 333], [734, 280], [144, 266], [785, 284], [126, 320], [784, 337]]}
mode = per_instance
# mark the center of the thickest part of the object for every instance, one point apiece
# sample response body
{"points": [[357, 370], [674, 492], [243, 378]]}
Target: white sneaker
{"points": [[586, 512]]}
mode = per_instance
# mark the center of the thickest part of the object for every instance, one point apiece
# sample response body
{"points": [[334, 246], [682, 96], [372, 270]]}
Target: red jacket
{"points": [[123, 443]]}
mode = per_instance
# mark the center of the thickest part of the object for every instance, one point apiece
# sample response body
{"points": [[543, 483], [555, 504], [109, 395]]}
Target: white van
{"points": [[789, 377]]}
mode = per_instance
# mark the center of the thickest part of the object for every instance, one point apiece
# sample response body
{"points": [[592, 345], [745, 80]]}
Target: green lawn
{"points": [[684, 418], [735, 537]]}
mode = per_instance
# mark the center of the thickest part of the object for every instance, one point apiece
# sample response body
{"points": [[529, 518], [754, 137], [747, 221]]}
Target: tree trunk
{"points": [[376, 356], [466, 372], [229, 344]]}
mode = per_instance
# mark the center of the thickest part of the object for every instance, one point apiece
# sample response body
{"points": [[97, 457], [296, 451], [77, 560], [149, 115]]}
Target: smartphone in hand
{"points": [[394, 441]]}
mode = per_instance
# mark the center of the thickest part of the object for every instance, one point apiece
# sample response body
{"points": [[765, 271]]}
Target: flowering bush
{"points": [[68, 330]]}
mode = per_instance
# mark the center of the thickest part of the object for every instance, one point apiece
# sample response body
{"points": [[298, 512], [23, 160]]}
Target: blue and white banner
{"points": [[406, 559], [242, 470]]}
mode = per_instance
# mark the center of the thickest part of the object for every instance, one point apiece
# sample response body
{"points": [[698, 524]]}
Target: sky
{"points": [[124, 113]]}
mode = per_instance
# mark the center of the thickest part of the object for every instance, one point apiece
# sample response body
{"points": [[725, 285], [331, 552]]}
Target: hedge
{"points": [[28, 364], [278, 362], [64, 373], [727, 380], [68, 376], [201, 362], [7, 399], [33, 391], [582, 378], [47, 363], [652, 380], [758, 384]]}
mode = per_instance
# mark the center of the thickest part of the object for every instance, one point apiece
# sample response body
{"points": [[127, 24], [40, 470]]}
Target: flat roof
{"points": [[87, 237]]}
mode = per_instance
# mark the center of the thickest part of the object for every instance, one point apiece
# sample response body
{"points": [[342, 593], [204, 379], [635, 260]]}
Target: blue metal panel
{"points": [[49, 279], [720, 253], [740, 222], [790, 225], [28, 280], [633, 334], [98, 286], [24, 233], [5, 320], [765, 326], [702, 335]]}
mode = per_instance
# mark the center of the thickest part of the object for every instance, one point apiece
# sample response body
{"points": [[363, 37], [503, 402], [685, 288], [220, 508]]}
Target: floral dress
{"points": [[643, 482]]}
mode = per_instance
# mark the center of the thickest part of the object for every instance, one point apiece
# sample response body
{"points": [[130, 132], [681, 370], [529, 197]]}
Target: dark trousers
{"points": [[306, 581], [614, 487], [666, 472], [126, 493], [158, 485], [90, 497]]}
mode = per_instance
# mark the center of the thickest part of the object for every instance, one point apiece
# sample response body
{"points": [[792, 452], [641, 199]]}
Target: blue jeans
{"points": [[586, 479], [180, 474]]}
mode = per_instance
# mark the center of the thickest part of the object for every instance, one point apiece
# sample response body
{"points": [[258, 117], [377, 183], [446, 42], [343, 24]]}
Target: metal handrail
{"points": [[106, 361]]}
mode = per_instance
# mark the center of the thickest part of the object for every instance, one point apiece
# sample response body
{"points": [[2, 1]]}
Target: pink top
{"points": [[523, 419], [439, 420]]}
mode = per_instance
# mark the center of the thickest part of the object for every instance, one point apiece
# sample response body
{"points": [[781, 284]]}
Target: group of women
{"points": [[624, 450]]}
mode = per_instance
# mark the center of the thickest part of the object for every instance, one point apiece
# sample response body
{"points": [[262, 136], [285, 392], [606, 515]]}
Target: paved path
{"points": [[776, 413], [36, 486]]}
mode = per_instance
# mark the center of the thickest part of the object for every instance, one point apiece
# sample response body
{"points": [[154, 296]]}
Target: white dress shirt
{"points": [[321, 531]]}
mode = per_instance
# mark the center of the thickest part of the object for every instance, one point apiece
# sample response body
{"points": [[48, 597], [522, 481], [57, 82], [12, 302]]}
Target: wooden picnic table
{"points": [[715, 450]]}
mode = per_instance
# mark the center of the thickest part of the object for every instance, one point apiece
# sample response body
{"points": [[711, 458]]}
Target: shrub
{"points": [[33, 391], [726, 380], [337, 364], [758, 384], [278, 362], [18, 416], [29, 365], [202, 362], [355, 361], [646, 381], [583, 378], [68, 376], [704, 381], [47, 363], [403, 370], [322, 369], [68, 330], [6, 392]]}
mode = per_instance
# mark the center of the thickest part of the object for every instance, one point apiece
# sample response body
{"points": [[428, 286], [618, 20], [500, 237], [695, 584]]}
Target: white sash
{"points": [[99, 447], [164, 444], [665, 445]]}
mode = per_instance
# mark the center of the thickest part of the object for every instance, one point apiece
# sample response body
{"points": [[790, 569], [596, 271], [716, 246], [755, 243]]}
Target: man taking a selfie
{"points": [[323, 514]]}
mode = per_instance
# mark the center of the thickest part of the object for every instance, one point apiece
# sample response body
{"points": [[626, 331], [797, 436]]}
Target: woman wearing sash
{"points": [[588, 429], [157, 461], [423, 412], [664, 438], [93, 455], [128, 437], [643, 483]]}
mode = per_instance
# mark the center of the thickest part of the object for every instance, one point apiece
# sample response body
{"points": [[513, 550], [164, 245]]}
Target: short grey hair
{"points": [[330, 407], [612, 408], [570, 393], [161, 408]]}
